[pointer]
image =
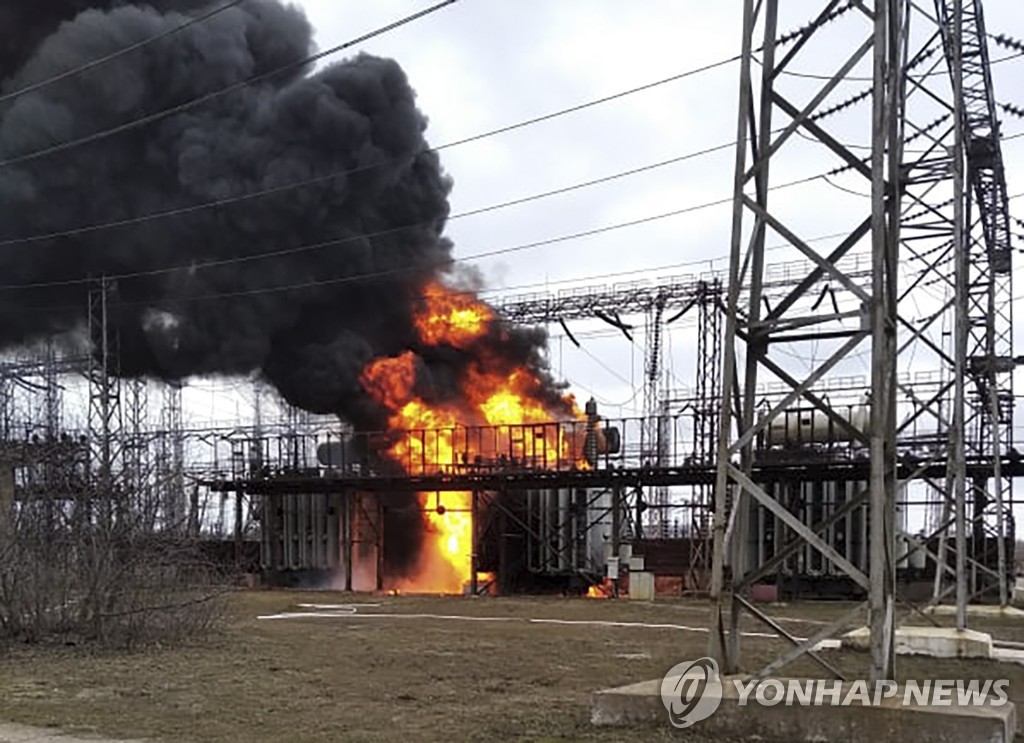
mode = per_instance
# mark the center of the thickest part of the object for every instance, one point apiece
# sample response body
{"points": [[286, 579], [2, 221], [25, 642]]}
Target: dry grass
{"points": [[388, 679]]}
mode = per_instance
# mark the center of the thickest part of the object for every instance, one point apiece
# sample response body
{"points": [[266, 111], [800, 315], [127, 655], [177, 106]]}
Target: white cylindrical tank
{"points": [[799, 426]]}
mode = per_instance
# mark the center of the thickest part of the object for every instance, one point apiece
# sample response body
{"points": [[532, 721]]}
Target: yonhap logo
{"points": [[691, 691]]}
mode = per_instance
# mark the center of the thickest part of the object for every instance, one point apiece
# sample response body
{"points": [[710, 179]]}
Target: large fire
{"points": [[451, 318], [433, 438]]}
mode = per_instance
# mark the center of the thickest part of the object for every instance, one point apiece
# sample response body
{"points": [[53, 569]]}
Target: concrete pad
{"points": [[935, 642], [1008, 655], [641, 704], [987, 611]]}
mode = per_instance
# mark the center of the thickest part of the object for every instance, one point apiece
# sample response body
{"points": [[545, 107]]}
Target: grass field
{"points": [[401, 678]]}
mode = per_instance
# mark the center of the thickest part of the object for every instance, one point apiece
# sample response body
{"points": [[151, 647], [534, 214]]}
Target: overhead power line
{"points": [[320, 179], [397, 271], [220, 92], [100, 61], [867, 79], [491, 253], [390, 230], [191, 209], [193, 266]]}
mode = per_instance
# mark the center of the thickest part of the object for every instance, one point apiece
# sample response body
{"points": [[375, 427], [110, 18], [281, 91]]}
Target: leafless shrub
{"points": [[96, 570]]}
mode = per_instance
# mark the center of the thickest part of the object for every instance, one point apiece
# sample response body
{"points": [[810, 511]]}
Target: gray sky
{"points": [[482, 64]]}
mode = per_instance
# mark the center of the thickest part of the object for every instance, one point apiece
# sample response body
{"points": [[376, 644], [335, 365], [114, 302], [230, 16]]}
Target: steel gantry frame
{"points": [[661, 303], [938, 293]]}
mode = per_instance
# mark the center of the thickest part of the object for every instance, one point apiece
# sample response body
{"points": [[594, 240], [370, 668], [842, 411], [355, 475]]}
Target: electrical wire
{"points": [[134, 124], [220, 92], [364, 236], [76, 231], [514, 202], [867, 79], [399, 271], [100, 61], [608, 369]]}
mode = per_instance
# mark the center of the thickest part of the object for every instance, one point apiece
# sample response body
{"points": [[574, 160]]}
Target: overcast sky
{"points": [[482, 64]]}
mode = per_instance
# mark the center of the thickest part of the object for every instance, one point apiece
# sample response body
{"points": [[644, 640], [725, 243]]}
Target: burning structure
{"points": [[248, 215], [498, 416], [289, 226]]}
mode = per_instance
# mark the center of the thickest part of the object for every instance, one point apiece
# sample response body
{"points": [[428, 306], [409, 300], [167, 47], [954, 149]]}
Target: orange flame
{"points": [[390, 380], [451, 318], [435, 438]]}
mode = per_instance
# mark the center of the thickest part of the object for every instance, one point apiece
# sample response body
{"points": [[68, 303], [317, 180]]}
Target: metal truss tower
{"points": [[708, 401], [652, 440], [926, 208], [984, 361], [171, 460], [106, 421], [53, 401]]}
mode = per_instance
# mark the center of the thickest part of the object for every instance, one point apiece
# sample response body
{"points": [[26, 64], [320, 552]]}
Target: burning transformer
{"points": [[464, 485]]}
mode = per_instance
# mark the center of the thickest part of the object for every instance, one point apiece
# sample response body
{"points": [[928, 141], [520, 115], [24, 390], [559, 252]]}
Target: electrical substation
{"points": [[844, 431]]}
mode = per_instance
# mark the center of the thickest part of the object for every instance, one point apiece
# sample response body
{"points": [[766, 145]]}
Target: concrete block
{"points": [[641, 586], [641, 705], [935, 642], [985, 611]]}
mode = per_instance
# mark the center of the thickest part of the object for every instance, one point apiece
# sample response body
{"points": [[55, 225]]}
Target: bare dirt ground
{"points": [[441, 675], [26, 734]]}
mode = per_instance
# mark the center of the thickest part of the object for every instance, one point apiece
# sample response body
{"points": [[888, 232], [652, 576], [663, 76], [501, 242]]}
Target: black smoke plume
{"points": [[357, 115], [360, 115]]}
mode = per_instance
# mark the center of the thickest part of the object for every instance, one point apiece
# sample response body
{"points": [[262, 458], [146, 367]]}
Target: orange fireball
{"points": [[451, 318]]}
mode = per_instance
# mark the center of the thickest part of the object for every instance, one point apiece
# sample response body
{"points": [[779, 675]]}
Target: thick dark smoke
{"points": [[311, 343], [24, 23]]}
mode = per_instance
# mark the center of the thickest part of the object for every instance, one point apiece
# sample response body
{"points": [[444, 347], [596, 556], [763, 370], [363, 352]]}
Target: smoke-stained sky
{"points": [[481, 65], [358, 115]]}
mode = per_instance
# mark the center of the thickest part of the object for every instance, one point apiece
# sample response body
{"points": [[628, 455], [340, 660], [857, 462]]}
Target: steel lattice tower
{"points": [[106, 420], [929, 214]]}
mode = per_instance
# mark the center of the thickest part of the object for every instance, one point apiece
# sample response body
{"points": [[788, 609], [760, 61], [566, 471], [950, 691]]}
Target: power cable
{"points": [[73, 232], [866, 79], [100, 61], [194, 266], [608, 369], [380, 233], [364, 235], [397, 271], [487, 254], [215, 94]]}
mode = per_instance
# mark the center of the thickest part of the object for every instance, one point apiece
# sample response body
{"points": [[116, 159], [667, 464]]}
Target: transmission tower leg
{"points": [[754, 326]]}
